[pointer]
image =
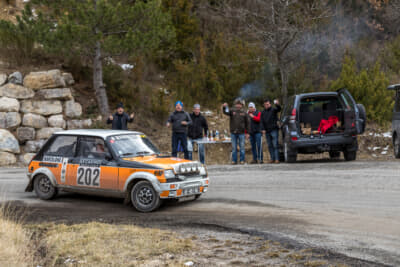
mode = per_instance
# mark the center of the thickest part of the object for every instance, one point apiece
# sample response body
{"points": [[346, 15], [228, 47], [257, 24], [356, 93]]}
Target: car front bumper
{"points": [[186, 188]]}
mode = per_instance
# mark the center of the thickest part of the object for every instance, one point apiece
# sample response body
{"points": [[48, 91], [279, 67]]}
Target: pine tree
{"points": [[99, 30]]}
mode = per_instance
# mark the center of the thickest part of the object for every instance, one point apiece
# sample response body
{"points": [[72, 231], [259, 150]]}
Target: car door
{"points": [[58, 156], [93, 167], [352, 121]]}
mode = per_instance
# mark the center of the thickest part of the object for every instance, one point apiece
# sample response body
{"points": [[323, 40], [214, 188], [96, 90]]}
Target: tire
{"points": [[334, 154], [363, 116], [290, 156], [43, 187], [396, 146], [350, 155], [144, 197]]}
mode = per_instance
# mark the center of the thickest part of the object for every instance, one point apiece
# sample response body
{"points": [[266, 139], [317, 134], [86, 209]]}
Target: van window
{"points": [[397, 102], [63, 146], [287, 111]]}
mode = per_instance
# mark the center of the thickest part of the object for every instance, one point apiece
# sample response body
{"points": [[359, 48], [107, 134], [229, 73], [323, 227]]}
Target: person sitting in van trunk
{"points": [[180, 121], [239, 127], [255, 133], [269, 127]]}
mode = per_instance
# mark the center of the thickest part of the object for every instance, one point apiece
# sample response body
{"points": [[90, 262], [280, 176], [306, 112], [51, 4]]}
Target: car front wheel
{"points": [[144, 197], [44, 189]]}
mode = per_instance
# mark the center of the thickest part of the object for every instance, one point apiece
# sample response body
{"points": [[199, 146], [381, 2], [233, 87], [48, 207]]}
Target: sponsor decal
{"points": [[64, 169], [90, 162], [52, 159], [49, 165]]}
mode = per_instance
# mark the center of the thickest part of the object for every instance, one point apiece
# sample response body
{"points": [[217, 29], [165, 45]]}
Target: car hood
{"points": [[161, 162]]}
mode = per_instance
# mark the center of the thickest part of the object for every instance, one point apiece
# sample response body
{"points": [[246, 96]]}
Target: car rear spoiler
{"points": [[394, 87]]}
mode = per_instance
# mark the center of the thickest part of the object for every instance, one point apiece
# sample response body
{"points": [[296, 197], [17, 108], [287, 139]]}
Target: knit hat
{"points": [[120, 105], [196, 106], [179, 102], [252, 105], [238, 101]]}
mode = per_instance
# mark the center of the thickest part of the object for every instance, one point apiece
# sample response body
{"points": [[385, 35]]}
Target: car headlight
{"points": [[169, 174], [203, 171]]}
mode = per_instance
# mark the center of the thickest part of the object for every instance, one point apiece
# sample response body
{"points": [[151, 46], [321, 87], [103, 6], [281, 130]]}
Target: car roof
{"points": [[103, 133]]}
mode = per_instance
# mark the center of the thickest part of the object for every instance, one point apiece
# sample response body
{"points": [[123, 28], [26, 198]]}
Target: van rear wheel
{"points": [[396, 146], [350, 155], [289, 155]]}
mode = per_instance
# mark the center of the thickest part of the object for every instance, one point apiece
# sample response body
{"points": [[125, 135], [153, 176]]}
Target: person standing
{"points": [[239, 127], [255, 133], [119, 120], [269, 126], [180, 121], [197, 130]]}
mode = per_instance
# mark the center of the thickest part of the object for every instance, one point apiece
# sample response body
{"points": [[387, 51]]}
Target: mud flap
{"points": [[29, 187]]}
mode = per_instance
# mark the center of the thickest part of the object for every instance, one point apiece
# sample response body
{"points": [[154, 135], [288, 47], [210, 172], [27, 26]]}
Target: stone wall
{"points": [[32, 108]]}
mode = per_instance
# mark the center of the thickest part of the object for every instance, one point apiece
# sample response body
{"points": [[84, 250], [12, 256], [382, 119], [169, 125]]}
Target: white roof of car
{"points": [[96, 132]]}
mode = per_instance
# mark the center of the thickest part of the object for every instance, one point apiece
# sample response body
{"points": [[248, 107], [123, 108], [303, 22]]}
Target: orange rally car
{"points": [[114, 163]]}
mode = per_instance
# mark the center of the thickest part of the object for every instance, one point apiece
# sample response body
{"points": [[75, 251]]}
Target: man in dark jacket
{"points": [[180, 121], [269, 126], [197, 131], [119, 120], [239, 127], [255, 133]]}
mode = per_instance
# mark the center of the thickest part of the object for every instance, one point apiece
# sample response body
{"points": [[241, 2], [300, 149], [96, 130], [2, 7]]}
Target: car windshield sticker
{"points": [[64, 169], [88, 176], [143, 136], [112, 141], [52, 159], [90, 162]]}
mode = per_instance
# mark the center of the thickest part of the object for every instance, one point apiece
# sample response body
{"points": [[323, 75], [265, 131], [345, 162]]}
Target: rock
{"points": [[9, 119], [33, 146], [44, 80], [26, 158], [7, 159], [8, 142], [79, 124], [57, 93], [57, 121], [69, 80], [15, 78], [3, 78], [42, 107], [72, 109], [34, 120], [25, 134], [45, 133], [9, 104], [16, 91]]}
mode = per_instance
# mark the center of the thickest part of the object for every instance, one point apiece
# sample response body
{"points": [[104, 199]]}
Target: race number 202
{"points": [[88, 176]]}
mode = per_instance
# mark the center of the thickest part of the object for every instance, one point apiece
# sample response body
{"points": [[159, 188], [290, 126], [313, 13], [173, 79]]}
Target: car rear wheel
{"points": [[289, 155], [144, 197], [334, 154], [350, 155], [44, 189], [396, 146]]}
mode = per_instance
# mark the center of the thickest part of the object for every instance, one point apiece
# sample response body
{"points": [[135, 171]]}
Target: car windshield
{"points": [[132, 145]]}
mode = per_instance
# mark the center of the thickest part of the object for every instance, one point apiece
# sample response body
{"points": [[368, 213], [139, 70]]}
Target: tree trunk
{"points": [[99, 88], [284, 80]]}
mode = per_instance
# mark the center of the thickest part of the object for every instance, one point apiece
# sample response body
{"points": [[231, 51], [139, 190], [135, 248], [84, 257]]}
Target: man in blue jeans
{"points": [[269, 126], [255, 133], [180, 121], [239, 127], [197, 131]]}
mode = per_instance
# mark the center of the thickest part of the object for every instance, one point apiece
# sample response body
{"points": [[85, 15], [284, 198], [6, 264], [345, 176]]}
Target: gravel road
{"points": [[348, 208]]}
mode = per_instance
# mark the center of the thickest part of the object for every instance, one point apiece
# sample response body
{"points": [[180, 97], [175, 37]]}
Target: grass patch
{"points": [[117, 245]]}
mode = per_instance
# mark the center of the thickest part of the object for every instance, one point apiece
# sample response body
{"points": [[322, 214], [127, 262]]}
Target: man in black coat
{"points": [[180, 121], [269, 126], [197, 131], [119, 120]]}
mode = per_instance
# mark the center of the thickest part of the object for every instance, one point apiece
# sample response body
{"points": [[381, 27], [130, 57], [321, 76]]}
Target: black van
{"points": [[396, 120], [301, 119]]}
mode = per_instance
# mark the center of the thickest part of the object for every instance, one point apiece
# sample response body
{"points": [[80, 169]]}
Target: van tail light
{"points": [[294, 138], [353, 125], [293, 116]]}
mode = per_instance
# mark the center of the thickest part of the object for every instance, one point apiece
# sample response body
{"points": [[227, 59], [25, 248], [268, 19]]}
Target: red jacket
{"points": [[255, 122]]}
